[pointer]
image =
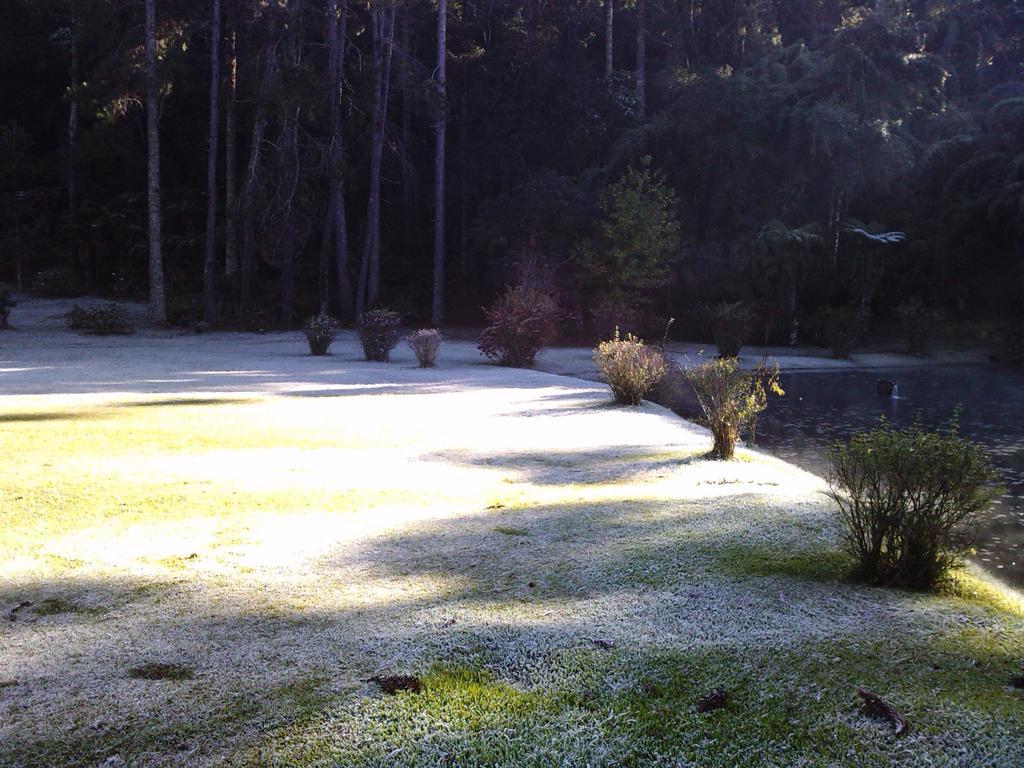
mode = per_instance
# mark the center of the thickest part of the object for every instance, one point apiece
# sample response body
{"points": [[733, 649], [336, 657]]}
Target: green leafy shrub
{"points": [[425, 344], [843, 328], [629, 366], [320, 333], [731, 398], [910, 501], [58, 282], [919, 325], [6, 303], [731, 324], [106, 320], [378, 331], [519, 324]]}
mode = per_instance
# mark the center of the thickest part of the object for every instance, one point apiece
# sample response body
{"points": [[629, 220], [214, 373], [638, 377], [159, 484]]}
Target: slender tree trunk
{"points": [[335, 227], [641, 59], [157, 304], [406, 122], [437, 313], [609, 39], [230, 163], [341, 249], [210, 262], [383, 30], [247, 203], [72, 181], [290, 135]]}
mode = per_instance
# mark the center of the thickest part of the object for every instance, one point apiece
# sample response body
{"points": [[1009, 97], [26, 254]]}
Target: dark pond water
{"points": [[820, 408]]}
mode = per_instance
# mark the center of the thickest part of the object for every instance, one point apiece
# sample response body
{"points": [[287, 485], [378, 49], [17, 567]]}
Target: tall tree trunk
{"points": [[230, 163], [407, 164], [437, 313], [383, 30], [72, 181], [248, 265], [335, 227], [641, 59], [209, 262], [609, 39], [157, 304], [290, 142], [247, 203]]}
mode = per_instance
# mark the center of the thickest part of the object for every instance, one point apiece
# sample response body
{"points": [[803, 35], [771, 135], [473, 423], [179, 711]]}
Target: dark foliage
{"points": [[844, 327], [731, 324], [106, 320], [769, 126], [378, 332], [6, 304], [910, 501], [58, 282], [519, 325], [920, 325]]}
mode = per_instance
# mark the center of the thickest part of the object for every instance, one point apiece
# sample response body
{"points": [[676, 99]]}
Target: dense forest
{"points": [[240, 159]]}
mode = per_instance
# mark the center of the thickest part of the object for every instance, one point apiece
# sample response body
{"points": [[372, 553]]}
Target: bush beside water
{"points": [[910, 501]]}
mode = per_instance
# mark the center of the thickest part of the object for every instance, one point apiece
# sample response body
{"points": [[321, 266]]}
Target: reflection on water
{"points": [[820, 408]]}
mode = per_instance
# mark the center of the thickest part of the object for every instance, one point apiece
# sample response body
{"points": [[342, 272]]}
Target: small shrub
{"points": [[910, 501], [425, 343], [184, 311], [58, 282], [320, 333], [378, 331], [844, 327], [6, 303], [731, 324], [106, 320], [629, 366], [519, 324], [919, 325], [731, 399]]}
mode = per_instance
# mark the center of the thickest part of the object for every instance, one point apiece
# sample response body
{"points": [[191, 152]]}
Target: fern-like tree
{"points": [[782, 253]]}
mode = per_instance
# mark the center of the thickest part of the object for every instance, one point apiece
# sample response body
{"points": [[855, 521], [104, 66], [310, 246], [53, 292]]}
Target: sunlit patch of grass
{"points": [[970, 584]]}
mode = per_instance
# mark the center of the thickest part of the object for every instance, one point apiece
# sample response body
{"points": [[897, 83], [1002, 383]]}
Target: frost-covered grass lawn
{"points": [[566, 577]]}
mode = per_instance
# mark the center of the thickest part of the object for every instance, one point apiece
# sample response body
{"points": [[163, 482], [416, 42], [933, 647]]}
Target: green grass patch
{"points": [[813, 565], [510, 530]]}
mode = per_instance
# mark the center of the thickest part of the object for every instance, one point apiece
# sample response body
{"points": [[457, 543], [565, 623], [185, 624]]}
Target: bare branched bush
{"points": [[629, 366], [425, 344], [910, 501], [519, 324], [731, 399], [321, 331]]}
